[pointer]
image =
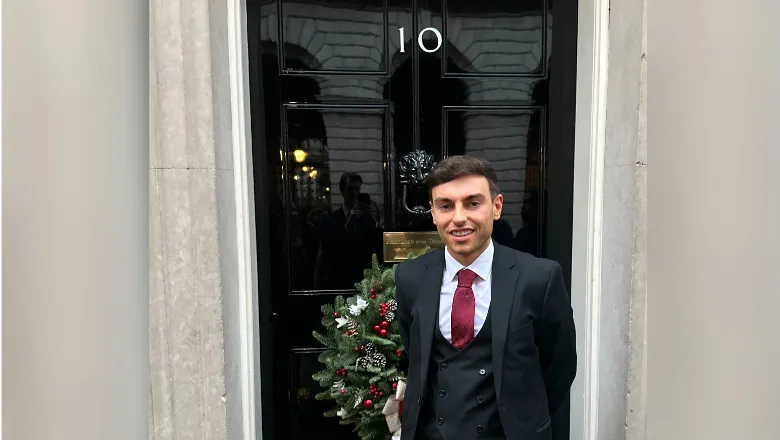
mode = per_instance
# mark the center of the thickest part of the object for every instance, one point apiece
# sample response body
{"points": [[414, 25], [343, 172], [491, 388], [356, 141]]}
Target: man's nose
{"points": [[460, 215]]}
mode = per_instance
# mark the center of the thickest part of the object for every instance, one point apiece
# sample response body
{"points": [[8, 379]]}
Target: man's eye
{"points": [[444, 206]]}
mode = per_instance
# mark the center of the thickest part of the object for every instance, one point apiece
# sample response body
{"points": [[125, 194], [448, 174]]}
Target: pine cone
{"points": [[378, 360], [390, 316], [364, 362], [392, 306]]}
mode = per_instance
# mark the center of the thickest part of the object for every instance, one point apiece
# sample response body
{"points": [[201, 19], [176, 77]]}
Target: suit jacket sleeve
{"points": [[557, 342], [403, 315]]}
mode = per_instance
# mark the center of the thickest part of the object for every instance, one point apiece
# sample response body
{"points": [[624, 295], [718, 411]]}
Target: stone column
{"points": [[190, 169], [636, 416], [622, 361]]}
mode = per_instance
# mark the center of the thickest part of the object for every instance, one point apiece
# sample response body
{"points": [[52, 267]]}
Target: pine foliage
{"points": [[362, 353]]}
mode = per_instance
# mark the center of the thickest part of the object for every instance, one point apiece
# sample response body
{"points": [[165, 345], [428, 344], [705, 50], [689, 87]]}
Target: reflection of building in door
{"points": [[317, 37]]}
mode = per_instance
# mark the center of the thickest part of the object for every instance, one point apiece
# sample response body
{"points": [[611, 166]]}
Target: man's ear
{"points": [[498, 205]]}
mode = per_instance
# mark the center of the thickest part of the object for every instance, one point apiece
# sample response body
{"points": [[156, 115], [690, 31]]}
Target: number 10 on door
{"points": [[420, 39]]}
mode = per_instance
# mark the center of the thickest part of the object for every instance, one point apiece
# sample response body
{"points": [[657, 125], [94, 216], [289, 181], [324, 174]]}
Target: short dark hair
{"points": [[455, 167], [349, 177]]}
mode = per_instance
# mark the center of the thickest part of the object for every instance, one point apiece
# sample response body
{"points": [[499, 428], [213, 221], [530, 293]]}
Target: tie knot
{"points": [[466, 277]]}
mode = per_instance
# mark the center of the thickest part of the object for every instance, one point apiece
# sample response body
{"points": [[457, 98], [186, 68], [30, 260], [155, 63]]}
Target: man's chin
{"points": [[461, 248]]}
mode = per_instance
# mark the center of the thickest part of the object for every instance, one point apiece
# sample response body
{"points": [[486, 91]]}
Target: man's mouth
{"points": [[461, 233]]}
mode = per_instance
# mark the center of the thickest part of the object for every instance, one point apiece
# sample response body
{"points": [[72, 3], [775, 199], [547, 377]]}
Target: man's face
{"points": [[463, 212], [351, 192]]}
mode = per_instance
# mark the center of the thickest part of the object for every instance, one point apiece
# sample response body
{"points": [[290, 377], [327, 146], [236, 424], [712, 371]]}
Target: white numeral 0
{"points": [[435, 31]]}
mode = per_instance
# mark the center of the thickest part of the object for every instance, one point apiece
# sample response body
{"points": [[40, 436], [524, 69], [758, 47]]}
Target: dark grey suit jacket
{"points": [[534, 354]]}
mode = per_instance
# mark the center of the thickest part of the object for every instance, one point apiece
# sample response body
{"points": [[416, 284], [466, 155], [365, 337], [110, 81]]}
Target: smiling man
{"points": [[488, 330]]}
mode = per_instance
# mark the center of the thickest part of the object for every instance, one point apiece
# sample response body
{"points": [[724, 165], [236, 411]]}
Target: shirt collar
{"points": [[482, 266]]}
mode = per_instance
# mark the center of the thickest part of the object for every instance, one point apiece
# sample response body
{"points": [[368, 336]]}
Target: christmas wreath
{"points": [[362, 355]]}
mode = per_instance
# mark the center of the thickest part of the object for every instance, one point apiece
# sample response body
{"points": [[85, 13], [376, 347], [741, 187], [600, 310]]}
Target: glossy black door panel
{"points": [[341, 92]]}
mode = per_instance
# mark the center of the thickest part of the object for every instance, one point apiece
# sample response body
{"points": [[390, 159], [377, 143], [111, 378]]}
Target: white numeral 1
{"points": [[403, 40]]}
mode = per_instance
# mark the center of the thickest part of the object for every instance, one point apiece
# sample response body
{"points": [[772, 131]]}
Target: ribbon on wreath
{"points": [[393, 408]]}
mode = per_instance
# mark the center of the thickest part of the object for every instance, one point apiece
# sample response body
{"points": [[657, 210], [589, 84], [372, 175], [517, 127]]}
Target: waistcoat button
{"points": [[442, 393], [482, 372], [440, 421], [443, 366], [480, 428], [479, 399]]}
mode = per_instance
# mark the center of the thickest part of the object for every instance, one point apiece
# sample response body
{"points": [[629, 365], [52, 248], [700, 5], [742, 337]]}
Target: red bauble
{"points": [[372, 290], [335, 314], [384, 324], [368, 404], [357, 348], [398, 353], [383, 333], [342, 391], [362, 347], [373, 296], [346, 333], [377, 328]]}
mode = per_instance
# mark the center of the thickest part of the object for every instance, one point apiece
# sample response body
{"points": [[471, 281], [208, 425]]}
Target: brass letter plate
{"points": [[398, 245]]}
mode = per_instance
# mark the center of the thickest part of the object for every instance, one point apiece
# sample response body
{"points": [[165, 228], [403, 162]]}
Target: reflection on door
{"points": [[336, 104]]}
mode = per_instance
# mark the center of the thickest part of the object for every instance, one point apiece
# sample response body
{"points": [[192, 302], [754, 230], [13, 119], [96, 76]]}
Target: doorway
{"points": [[342, 92]]}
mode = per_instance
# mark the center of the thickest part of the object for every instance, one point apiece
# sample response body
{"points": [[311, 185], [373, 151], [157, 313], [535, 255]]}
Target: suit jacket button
{"points": [[440, 421], [419, 399], [479, 399], [482, 372], [442, 393], [443, 366], [480, 428]]}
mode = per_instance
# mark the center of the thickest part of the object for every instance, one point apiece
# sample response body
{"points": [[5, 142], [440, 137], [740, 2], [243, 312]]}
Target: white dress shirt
{"points": [[483, 267]]}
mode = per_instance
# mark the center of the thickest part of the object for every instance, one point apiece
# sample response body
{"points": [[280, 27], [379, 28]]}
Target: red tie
{"points": [[463, 310]]}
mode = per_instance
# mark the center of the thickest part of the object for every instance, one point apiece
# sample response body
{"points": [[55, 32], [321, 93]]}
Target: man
{"points": [[488, 330]]}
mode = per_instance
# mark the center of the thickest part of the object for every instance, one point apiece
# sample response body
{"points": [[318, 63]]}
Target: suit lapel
{"points": [[502, 298], [428, 308]]}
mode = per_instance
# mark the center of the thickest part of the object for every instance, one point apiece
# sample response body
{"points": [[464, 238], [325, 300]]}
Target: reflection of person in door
{"points": [[346, 237], [526, 239]]}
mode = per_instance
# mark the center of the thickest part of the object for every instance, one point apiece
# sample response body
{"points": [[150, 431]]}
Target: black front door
{"points": [[343, 92]]}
